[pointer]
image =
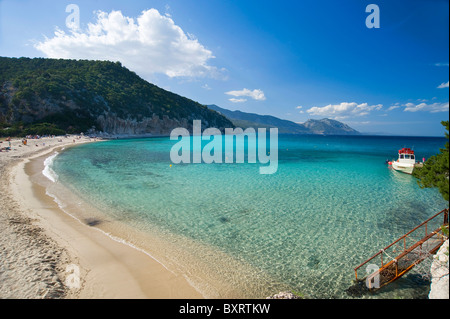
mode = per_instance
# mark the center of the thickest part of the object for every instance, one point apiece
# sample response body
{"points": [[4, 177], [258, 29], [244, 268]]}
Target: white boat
{"points": [[406, 161]]}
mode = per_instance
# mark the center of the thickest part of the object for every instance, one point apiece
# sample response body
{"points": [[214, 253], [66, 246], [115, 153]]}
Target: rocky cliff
{"points": [[439, 288], [154, 126]]}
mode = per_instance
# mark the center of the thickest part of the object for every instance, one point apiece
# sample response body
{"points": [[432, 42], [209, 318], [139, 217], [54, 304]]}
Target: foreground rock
{"points": [[439, 274]]}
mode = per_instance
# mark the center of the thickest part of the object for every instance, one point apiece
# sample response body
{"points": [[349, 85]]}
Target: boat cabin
{"points": [[406, 155]]}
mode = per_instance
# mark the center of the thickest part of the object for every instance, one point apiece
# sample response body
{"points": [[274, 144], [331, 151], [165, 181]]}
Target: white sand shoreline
{"points": [[108, 268]]}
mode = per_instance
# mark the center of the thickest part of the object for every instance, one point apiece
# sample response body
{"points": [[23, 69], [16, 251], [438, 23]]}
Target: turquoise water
{"points": [[332, 204]]}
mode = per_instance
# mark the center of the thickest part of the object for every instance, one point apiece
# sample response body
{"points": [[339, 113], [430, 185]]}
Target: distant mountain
{"points": [[329, 127], [56, 96], [324, 126], [245, 120]]}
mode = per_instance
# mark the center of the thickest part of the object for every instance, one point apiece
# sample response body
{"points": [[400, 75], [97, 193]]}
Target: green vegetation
{"points": [[18, 129], [71, 94], [435, 171]]}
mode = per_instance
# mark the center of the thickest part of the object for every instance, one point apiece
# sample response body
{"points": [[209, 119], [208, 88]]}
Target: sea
{"points": [[233, 232]]}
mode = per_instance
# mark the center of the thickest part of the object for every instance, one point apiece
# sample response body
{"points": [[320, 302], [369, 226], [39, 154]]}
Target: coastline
{"points": [[106, 268]]}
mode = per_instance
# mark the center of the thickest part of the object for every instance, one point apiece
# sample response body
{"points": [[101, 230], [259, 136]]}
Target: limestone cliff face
{"points": [[118, 126], [155, 126]]}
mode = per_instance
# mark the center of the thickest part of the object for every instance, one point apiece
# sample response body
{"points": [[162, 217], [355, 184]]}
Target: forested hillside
{"points": [[52, 96]]}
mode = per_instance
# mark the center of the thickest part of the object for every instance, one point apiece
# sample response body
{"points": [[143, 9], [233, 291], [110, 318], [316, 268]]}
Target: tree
{"points": [[435, 171]]}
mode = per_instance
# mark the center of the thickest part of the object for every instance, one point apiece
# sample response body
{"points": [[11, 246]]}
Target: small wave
{"points": [[48, 171]]}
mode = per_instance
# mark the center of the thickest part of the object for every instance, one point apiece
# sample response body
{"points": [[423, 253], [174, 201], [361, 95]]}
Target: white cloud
{"points": [[257, 95], [238, 100], [443, 85], [344, 110], [441, 64], [150, 44], [424, 107], [395, 106]]}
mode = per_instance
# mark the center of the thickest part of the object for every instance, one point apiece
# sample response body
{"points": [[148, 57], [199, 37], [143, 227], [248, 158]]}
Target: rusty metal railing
{"points": [[394, 265]]}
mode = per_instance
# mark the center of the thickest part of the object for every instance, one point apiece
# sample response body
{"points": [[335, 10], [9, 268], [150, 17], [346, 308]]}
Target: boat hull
{"points": [[403, 167]]}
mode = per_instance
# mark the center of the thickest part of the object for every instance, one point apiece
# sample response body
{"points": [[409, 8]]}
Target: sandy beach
{"points": [[46, 253]]}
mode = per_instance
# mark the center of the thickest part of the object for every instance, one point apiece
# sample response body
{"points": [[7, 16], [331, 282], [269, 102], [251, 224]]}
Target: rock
{"points": [[358, 289], [284, 295], [439, 274]]}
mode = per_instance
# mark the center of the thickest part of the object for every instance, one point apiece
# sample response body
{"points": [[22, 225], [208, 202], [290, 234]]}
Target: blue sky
{"points": [[292, 59]]}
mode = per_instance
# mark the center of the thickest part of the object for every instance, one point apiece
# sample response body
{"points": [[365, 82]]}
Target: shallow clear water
{"points": [[332, 204]]}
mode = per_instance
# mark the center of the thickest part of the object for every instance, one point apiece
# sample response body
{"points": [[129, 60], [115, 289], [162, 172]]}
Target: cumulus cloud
{"points": [[424, 107], [150, 44], [443, 85], [344, 110], [257, 95]]}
